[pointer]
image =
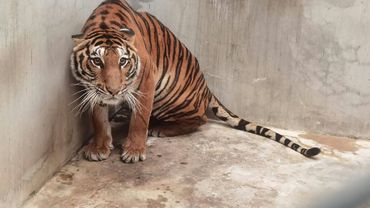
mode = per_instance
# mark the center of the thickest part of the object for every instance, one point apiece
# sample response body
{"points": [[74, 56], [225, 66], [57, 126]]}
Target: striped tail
{"points": [[234, 121]]}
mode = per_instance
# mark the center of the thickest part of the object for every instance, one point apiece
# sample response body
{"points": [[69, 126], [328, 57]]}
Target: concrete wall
{"points": [[301, 65], [287, 63], [38, 131]]}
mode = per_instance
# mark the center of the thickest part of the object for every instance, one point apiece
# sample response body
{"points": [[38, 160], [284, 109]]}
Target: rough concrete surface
{"points": [[215, 167]]}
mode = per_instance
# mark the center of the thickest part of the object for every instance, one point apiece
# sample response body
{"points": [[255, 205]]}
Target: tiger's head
{"points": [[106, 63]]}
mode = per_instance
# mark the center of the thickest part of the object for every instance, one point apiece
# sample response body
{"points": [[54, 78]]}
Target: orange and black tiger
{"points": [[127, 56]]}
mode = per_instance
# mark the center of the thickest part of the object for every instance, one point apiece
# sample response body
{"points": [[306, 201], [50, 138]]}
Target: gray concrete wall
{"points": [[300, 65], [38, 131], [287, 63]]}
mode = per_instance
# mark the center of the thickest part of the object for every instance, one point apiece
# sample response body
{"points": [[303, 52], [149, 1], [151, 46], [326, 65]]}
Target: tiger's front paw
{"points": [[96, 152], [133, 152]]}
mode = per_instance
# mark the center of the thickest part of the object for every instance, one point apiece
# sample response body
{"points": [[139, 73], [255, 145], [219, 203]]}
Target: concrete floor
{"points": [[215, 167]]}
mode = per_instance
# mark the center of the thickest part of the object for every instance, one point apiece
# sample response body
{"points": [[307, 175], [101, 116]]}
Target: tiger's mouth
{"points": [[93, 95], [112, 100]]}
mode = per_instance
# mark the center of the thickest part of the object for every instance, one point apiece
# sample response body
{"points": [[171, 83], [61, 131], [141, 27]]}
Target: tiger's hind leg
{"points": [[175, 128]]}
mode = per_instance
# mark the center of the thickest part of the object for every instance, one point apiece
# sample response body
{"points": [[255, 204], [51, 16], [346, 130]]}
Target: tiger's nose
{"points": [[113, 91]]}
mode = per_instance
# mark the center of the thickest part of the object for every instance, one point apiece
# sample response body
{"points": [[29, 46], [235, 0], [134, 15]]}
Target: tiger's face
{"points": [[107, 65]]}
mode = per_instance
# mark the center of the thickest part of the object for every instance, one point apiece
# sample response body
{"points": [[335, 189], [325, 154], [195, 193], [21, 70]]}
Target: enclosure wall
{"points": [[38, 131], [299, 65]]}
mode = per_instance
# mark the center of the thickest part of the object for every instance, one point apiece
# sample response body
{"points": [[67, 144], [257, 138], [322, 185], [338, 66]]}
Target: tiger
{"points": [[128, 56]]}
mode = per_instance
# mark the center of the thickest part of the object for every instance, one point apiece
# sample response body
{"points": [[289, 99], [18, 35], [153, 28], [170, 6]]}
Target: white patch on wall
{"points": [[262, 79]]}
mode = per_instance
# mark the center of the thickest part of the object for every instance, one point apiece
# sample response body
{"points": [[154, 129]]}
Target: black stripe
{"points": [[117, 42], [222, 118], [179, 107], [264, 131], [174, 82], [164, 68], [286, 142], [169, 43], [258, 129], [278, 137], [169, 102], [75, 63], [81, 57], [147, 27], [242, 125], [116, 24], [156, 38], [175, 97], [175, 47], [165, 87], [121, 16], [295, 146], [104, 12], [98, 43]]}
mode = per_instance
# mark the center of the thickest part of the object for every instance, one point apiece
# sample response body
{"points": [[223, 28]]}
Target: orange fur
{"points": [[125, 55]]}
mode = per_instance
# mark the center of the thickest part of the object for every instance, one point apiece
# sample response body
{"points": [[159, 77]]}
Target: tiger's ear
{"points": [[129, 32], [77, 39]]}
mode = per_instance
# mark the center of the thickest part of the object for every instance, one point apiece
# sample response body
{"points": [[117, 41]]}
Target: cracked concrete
{"points": [[214, 167]]}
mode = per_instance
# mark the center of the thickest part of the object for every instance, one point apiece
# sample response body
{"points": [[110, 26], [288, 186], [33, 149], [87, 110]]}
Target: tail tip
{"points": [[313, 151]]}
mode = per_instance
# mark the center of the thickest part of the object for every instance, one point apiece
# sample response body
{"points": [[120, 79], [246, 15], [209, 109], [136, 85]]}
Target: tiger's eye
{"points": [[97, 61], [123, 62]]}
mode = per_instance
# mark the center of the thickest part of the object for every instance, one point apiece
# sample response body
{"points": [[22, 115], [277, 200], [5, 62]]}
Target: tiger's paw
{"points": [[95, 152], [133, 153]]}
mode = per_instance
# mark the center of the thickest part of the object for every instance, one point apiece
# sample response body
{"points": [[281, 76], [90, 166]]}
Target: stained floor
{"points": [[215, 167]]}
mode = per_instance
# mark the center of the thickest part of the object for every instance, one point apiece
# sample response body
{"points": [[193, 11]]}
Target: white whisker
{"points": [[140, 94], [94, 101], [77, 84], [132, 100], [138, 105], [88, 101], [80, 97], [82, 105], [83, 90]]}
